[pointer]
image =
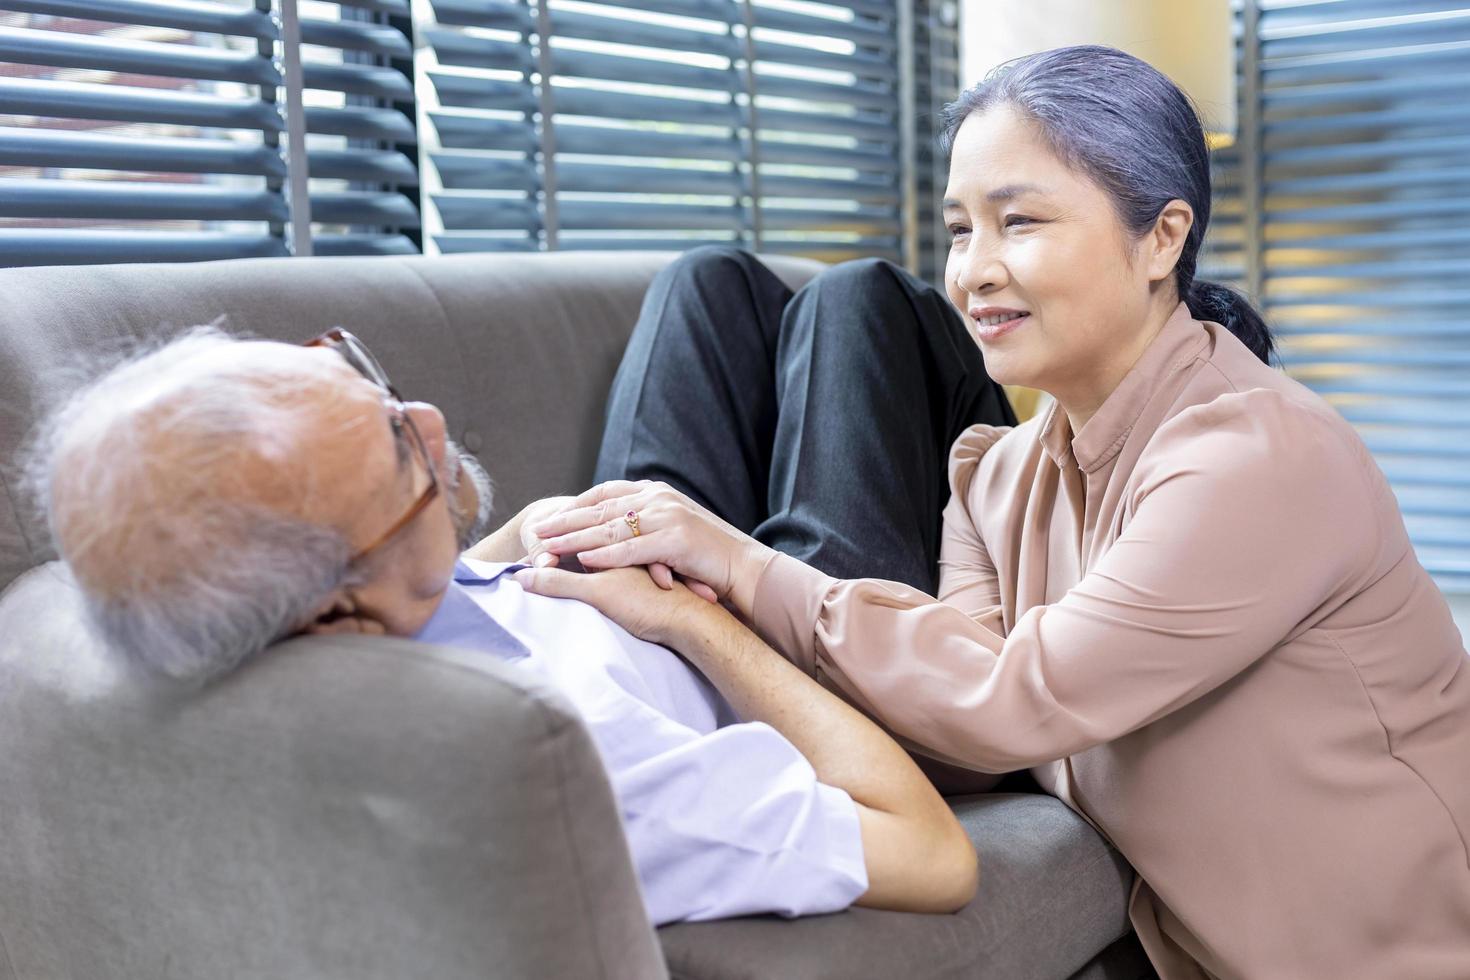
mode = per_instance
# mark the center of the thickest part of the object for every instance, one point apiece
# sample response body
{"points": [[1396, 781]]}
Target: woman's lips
{"points": [[991, 324]]}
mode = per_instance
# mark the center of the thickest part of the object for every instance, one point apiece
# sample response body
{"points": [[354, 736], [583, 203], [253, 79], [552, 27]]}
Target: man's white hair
{"points": [[186, 568]]}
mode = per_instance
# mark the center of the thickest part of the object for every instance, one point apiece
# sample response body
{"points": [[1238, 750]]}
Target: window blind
{"points": [[153, 130], [663, 124], [1365, 170]]}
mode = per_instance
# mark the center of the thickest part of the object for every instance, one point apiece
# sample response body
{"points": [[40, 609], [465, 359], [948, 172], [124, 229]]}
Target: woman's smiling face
{"points": [[1043, 271]]}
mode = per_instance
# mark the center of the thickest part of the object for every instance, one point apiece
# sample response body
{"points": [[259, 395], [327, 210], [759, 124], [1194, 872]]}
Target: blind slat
{"points": [[363, 208], [361, 122], [465, 132], [183, 15], [373, 166], [617, 30], [59, 50], [374, 80], [356, 36], [59, 148], [81, 100], [361, 244], [868, 33], [52, 246], [120, 200]]}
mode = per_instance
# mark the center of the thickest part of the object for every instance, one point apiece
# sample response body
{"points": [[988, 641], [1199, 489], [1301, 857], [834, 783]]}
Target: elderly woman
{"points": [[1183, 597]]}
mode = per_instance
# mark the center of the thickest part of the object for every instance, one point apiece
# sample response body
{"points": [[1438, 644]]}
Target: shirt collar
{"points": [[1180, 339], [460, 621]]}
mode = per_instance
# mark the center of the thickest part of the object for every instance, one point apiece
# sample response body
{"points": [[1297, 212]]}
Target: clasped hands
{"points": [[650, 583]]}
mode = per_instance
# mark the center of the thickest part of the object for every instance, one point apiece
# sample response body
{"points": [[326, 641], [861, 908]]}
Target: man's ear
{"points": [[1166, 241], [340, 613]]}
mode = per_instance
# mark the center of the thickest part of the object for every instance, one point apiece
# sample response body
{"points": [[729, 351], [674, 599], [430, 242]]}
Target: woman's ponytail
{"points": [[1225, 306]]}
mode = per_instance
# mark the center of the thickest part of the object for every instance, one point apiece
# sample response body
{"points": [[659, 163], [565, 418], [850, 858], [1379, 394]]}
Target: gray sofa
{"points": [[375, 808]]}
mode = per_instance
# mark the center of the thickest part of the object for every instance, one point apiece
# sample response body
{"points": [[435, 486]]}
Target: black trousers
{"points": [[819, 422]]}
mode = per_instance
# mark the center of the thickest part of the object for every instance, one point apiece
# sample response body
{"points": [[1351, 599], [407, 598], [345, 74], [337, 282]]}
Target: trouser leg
{"points": [[694, 400], [819, 422], [876, 378]]}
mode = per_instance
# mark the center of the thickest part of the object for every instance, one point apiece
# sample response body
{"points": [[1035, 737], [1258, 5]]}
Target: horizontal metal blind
{"points": [[663, 125], [362, 146], [150, 130], [1366, 185]]}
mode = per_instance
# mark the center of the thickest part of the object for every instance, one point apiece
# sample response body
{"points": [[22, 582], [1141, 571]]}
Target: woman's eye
{"points": [[1012, 220], [955, 231]]}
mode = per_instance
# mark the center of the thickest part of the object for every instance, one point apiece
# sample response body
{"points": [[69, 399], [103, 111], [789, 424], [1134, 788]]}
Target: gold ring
{"points": [[631, 518]]}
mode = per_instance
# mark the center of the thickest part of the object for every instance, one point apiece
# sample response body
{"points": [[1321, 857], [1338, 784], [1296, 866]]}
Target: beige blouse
{"points": [[1201, 624]]}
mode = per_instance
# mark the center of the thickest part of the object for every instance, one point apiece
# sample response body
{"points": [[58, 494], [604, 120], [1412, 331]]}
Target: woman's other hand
{"points": [[627, 596], [674, 531]]}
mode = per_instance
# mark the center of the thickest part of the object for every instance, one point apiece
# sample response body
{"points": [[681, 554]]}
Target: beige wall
{"points": [[1188, 40]]}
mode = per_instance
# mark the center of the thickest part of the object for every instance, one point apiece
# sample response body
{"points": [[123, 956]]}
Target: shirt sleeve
{"points": [[1249, 514], [735, 822]]}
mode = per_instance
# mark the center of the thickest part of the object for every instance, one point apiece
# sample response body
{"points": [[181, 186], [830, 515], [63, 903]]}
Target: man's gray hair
{"points": [[138, 479]]}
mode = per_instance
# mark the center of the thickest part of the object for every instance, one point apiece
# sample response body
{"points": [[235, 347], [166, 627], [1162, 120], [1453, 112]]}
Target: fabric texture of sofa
{"points": [[375, 808]]}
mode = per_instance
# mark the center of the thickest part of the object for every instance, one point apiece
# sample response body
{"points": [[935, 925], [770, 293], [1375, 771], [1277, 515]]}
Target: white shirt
{"points": [[723, 817]]}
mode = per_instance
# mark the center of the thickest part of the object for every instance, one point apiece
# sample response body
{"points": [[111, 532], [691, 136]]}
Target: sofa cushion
{"points": [[1052, 894]]}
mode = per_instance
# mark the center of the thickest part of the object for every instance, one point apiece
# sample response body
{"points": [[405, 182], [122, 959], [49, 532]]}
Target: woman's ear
{"points": [[1163, 245]]}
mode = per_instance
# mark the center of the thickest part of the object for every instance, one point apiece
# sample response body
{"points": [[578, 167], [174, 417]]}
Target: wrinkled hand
{"points": [[627, 596], [675, 532]]}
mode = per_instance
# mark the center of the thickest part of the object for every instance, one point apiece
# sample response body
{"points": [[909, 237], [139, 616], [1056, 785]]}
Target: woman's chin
{"points": [[1004, 367]]}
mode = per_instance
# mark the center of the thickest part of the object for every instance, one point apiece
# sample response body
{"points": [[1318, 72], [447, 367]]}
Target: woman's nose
{"points": [[981, 271]]}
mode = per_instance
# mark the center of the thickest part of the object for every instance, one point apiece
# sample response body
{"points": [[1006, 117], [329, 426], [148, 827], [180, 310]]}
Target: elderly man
{"points": [[216, 495]]}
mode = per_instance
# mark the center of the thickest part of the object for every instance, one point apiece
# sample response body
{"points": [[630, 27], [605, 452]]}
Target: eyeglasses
{"points": [[355, 353]]}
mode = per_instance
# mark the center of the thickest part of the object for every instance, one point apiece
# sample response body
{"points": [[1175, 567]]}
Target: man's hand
{"points": [[629, 597], [514, 540]]}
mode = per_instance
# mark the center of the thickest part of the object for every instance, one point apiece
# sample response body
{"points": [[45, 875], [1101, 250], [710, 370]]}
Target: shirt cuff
{"points": [[788, 600]]}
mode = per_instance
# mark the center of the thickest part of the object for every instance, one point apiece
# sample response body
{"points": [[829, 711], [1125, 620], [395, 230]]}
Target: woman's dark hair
{"points": [[1128, 127]]}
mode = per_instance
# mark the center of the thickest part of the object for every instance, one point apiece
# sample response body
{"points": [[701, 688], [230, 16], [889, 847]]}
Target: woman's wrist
{"points": [[750, 563]]}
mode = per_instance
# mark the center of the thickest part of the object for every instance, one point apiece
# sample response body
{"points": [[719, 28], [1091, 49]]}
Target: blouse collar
{"points": [[1180, 339]]}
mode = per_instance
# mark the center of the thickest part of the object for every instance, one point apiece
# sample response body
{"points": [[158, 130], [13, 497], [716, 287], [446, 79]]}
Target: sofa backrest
{"points": [[517, 350], [346, 806]]}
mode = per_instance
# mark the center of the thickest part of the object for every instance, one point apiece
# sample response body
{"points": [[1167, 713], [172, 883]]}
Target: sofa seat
{"points": [[1040, 865]]}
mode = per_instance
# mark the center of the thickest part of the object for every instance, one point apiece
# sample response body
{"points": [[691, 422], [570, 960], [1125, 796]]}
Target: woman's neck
{"points": [[1083, 400]]}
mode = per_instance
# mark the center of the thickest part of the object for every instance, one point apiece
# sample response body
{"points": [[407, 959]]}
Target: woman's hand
{"points": [[673, 531], [627, 596]]}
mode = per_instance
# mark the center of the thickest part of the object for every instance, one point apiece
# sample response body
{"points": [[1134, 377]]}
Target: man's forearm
{"points": [[845, 748]]}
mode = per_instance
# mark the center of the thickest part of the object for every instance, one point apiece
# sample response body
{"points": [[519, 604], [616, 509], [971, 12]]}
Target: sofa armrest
{"points": [[340, 807]]}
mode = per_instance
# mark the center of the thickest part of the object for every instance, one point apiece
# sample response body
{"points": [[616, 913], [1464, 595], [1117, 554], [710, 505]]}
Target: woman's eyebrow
{"points": [[1005, 193], [1010, 191]]}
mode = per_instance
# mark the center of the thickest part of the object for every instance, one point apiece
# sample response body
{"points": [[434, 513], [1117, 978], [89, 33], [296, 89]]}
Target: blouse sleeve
{"points": [[1249, 513], [967, 578]]}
